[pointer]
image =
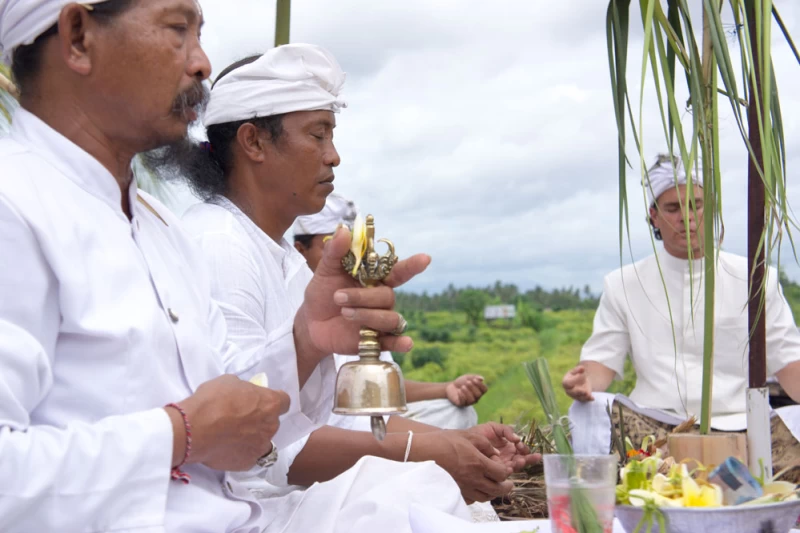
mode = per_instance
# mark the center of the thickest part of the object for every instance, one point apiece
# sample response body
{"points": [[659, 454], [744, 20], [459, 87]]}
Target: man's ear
{"points": [[299, 247], [252, 142], [76, 36], [654, 216]]}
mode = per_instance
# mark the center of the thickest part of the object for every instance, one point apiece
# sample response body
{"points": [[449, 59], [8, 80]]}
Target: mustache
{"points": [[195, 98]]}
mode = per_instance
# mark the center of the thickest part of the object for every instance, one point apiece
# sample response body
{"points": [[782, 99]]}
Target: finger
{"points": [[571, 379], [466, 396], [283, 401], [509, 435], [460, 400], [406, 269], [495, 470], [400, 344], [518, 463], [457, 400], [374, 297], [476, 392], [333, 252], [494, 488], [481, 386], [533, 459], [483, 445], [504, 431], [381, 320]]}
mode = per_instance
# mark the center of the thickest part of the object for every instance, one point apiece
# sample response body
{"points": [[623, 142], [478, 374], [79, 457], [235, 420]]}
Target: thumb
{"points": [[483, 445], [333, 252]]}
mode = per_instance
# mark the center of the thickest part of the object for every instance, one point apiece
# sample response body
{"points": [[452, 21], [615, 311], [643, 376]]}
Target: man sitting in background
{"points": [[445, 405], [662, 330]]}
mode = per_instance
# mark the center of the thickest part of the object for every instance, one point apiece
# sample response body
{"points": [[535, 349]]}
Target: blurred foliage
{"points": [[497, 353], [538, 298], [472, 302], [432, 355]]}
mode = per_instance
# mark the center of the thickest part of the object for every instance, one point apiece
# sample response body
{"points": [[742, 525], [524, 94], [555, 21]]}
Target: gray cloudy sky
{"points": [[483, 134]]}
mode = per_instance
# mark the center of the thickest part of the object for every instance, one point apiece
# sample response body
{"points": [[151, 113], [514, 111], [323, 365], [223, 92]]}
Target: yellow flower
{"points": [[358, 242], [696, 496], [260, 379]]}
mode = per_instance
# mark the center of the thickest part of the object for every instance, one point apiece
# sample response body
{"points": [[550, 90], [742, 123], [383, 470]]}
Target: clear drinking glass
{"points": [[587, 480]]}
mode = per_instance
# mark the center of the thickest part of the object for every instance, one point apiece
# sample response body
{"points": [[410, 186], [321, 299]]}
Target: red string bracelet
{"points": [[177, 473]]}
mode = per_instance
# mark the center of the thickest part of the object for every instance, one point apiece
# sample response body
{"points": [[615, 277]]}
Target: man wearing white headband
{"points": [[444, 405], [115, 414], [635, 318], [268, 162]]}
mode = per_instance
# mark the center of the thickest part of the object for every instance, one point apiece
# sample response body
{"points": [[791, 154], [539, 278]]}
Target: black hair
{"points": [[206, 166], [304, 239], [26, 61]]}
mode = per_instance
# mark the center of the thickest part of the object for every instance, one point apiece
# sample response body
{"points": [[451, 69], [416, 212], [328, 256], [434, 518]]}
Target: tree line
{"points": [[457, 299]]}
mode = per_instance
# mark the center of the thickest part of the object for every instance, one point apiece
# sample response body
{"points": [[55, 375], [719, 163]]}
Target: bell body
{"points": [[370, 386]]}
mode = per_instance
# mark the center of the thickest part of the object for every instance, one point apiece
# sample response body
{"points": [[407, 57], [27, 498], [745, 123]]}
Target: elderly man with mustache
{"points": [[115, 413]]}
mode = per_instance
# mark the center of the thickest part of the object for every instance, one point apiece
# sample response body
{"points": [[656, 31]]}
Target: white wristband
{"points": [[408, 445]]}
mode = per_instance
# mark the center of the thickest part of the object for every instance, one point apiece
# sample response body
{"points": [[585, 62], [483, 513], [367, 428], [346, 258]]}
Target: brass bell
{"points": [[370, 386]]}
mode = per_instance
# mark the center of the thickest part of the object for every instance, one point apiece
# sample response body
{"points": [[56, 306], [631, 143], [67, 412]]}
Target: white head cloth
{"points": [[292, 77], [22, 21], [337, 210], [664, 174]]}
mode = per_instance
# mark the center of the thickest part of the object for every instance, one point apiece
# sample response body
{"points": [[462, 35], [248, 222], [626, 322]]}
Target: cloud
{"points": [[483, 132]]}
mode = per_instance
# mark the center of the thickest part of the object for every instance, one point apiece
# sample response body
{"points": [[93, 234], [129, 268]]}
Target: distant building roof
{"points": [[494, 312]]}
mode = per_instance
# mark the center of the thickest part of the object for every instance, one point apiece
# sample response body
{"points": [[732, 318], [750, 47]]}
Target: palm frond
{"points": [[673, 42]]}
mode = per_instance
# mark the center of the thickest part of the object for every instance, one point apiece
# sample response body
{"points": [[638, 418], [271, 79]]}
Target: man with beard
{"points": [[270, 157], [115, 414]]}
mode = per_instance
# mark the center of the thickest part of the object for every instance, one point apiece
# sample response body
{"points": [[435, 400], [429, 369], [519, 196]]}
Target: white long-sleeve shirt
{"points": [[103, 321], [260, 285], [634, 318]]}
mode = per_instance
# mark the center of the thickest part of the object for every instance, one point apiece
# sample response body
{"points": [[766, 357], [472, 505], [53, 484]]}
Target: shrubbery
{"points": [[422, 356], [435, 335]]}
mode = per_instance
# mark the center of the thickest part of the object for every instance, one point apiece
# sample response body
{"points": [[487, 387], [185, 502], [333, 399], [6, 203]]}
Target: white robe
{"points": [[103, 321], [634, 318], [259, 285]]}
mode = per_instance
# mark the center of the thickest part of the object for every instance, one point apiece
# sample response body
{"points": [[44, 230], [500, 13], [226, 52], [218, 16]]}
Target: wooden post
{"points": [[759, 443]]}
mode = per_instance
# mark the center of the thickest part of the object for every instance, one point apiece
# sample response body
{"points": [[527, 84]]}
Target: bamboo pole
{"points": [[709, 217], [283, 14], [758, 428]]}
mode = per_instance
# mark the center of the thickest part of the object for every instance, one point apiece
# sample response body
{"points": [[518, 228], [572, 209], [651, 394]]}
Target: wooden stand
{"points": [[710, 450]]}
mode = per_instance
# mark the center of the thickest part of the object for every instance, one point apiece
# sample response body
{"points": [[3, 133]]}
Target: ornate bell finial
{"points": [[369, 386]]}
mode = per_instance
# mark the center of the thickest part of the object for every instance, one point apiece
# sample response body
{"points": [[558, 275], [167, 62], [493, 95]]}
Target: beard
{"points": [[195, 98], [169, 155]]}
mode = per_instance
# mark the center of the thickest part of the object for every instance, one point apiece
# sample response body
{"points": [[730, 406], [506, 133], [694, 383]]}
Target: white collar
{"points": [[677, 264], [69, 159], [284, 254]]}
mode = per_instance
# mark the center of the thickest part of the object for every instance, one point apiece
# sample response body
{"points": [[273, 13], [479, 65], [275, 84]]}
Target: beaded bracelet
{"points": [[177, 473]]}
